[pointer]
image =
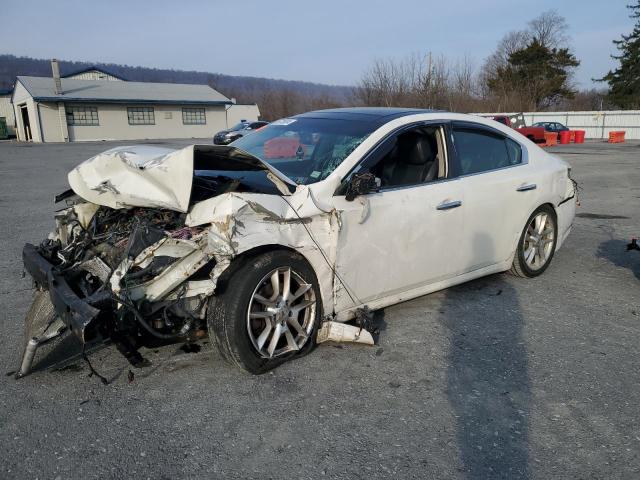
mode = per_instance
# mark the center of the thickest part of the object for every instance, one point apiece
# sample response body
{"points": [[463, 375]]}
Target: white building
{"points": [[94, 73], [6, 111], [87, 107]]}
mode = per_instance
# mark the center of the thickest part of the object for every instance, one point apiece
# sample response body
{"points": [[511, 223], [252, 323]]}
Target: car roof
{"points": [[377, 116]]}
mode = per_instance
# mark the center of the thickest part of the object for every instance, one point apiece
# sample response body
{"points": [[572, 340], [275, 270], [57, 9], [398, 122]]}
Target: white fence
{"points": [[596, 124]]}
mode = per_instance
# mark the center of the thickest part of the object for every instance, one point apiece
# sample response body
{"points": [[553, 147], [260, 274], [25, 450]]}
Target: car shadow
{"points": [[615, 251], [488, 384]]}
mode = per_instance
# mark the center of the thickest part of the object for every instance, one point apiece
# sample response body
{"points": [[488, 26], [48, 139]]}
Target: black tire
{"points": [[520, 268], [227, 312]]}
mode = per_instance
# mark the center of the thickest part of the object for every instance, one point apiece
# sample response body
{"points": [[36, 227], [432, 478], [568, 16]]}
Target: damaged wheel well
{"points": [[246, 256], [551, 206]]}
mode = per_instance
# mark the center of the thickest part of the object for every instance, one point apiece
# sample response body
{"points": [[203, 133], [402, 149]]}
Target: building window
{"points": [[193, 116], [82, 116], [141, 116]]}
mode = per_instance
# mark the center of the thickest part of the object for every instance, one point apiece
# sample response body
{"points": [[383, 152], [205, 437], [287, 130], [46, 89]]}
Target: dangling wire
{"points": [[92, 371], [354, 298]]}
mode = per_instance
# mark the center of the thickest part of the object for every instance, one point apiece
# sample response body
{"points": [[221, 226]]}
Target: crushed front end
{"points": [[128, 275], [145, 237]]}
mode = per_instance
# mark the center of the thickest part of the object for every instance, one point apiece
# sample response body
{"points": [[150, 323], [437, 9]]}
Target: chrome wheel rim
{"points": [[538, 241], [281, 313]]}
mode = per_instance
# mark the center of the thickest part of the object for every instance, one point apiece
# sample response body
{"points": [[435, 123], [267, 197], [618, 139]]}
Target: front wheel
{"points": [[537, 243], [268, 311]]}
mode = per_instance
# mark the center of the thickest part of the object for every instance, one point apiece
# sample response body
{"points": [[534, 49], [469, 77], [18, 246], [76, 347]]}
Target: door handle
{"points": [[449, 205], [526, 188]]}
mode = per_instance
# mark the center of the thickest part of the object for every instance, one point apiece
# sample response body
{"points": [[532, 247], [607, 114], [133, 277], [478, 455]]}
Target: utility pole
{"points": [[429, 81]]}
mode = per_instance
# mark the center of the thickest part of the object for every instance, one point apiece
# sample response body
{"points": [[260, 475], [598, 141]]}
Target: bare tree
{"points": [[549, 28], [390, 83], [420, 81], [503, 91], [502, 97]]}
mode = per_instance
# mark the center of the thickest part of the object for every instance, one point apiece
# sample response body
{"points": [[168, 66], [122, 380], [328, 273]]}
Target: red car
{"points": [[535, 134]]}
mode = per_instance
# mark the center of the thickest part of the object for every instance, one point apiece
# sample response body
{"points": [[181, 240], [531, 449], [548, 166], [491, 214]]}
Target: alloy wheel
{"points": [[281, 313], [538, 241]]}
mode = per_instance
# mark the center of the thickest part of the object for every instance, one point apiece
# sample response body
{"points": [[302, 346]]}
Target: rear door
{"points": [[500, 189]]}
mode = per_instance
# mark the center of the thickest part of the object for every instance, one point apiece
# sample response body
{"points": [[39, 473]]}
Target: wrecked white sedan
{"points": [[313, 219]]}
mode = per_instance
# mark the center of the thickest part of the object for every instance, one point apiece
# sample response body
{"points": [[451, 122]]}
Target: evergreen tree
{"points": [[540, 75], [624, 81]]}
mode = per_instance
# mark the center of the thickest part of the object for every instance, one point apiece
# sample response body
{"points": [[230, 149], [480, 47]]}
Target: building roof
{"points": [[92, 69], [42, 89], [6, 91]]}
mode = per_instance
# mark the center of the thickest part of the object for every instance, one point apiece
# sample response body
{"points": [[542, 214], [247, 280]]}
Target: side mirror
{"points": [[361, 184]]}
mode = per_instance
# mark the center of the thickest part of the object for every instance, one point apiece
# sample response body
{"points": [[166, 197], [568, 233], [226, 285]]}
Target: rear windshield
{"points": [[306, 150]]}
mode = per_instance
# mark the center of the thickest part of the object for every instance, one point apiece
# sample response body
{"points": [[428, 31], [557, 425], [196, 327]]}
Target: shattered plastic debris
{"points": [[342, 332]]}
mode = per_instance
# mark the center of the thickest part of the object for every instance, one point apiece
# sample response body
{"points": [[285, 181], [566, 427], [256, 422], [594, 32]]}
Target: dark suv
{"points": [[225, 137]]}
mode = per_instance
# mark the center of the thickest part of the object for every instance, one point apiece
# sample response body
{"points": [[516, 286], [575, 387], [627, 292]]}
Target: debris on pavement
{"points": [[342, 332]]}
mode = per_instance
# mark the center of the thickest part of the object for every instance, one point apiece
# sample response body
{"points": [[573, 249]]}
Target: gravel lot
{"points": [[497, 378]]}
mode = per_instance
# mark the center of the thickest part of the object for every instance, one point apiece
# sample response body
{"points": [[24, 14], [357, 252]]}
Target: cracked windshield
{"points": [[306, 150]]}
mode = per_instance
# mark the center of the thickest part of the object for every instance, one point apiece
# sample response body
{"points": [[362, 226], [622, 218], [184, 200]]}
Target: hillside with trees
{"points": [[276, 98]]}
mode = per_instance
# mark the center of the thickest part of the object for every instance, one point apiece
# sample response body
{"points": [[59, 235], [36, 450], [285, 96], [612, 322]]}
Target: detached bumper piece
{"points": [[52, 332], [79, 315], [341, 332]]}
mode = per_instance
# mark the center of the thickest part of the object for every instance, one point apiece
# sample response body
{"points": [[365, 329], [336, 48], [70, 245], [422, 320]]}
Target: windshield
{"points": [[306, 150], [238, 126]]}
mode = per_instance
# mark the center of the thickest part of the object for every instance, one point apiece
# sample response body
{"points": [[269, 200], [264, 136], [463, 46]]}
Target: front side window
{"points": [[141, 116], [480, 150], [412, 157], [306, 150], [86, 116], [194, 116]]}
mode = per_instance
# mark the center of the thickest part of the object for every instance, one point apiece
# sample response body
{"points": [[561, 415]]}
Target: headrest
{"points": [[417, 149]]}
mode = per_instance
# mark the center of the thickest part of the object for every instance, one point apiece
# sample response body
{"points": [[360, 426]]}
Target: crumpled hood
{"points": [[155, 177]]}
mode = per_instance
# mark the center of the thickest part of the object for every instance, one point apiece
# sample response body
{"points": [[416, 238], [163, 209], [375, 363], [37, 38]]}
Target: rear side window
{"points": [[514, 150], [481, 151]]}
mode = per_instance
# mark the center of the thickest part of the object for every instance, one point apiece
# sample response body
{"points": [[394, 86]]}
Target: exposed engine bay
{"points": [[106, 263]]}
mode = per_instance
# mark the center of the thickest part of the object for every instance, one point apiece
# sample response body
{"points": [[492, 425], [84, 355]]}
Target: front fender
{"points": [[242, 223]]}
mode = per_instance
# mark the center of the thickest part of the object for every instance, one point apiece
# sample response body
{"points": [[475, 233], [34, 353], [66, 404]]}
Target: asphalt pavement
{"points": [[501, 377]]}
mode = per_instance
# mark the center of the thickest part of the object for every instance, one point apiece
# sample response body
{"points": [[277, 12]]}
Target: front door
{"points": [[406, 235]]}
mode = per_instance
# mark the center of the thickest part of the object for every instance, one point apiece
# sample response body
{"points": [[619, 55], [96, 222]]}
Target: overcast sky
{"points": [[324, 41]]}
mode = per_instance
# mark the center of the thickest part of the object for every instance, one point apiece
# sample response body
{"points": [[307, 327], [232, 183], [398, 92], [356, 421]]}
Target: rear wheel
{"points": [[267, 313], [537, 243]]}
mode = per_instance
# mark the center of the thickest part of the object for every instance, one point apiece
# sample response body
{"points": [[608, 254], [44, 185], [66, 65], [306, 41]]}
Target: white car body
{"points": [[381, 249], [384, 205]]}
